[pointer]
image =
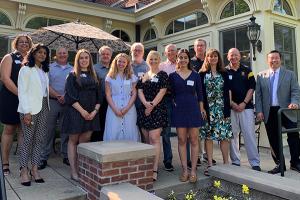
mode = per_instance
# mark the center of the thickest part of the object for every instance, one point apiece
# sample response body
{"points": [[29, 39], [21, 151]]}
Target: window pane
{"points": [[228, 40], [125, 37], [241, 7], [169, 29], [178, 25], [4, 19], [116, 33], [3, 46], [52, 22], [37, 23], [153, 35], [277, 6], [286, 8], [190, 21], [282, 7], [242, 41], [201, 19], [147, 35], [228, 11]]}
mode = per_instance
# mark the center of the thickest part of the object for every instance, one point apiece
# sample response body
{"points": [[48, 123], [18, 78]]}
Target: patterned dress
{"points": [[218, 127], [158, 117]]}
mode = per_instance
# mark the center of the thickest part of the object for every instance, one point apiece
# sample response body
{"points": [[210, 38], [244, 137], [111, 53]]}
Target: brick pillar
{"points": [[107, 163]]}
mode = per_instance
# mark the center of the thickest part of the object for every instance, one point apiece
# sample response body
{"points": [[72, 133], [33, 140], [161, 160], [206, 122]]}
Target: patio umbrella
{"points": [[77, 35]]}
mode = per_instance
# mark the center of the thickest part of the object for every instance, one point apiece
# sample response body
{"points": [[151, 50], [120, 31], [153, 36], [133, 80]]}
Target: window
{"points": [[234, 7], [4, 20], [284, 39], [122, 35], [187, 22], [38, 22], [282, 7], [3, 46], [150, 35], [237, 38], [147, 50]]}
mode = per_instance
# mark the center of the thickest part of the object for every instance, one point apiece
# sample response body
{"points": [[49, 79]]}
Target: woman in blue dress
{"points": [[186, 115], [120, 90], [217, 97]]}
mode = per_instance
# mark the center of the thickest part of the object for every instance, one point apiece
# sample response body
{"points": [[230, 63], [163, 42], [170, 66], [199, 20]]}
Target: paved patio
{"points": [[58, 184]]}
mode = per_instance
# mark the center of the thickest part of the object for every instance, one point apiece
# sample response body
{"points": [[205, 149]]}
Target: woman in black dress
{"points": [[10, 67], [152, 115], [83, 102]]}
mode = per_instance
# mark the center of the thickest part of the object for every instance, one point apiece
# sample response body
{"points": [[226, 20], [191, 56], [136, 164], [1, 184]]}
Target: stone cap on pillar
{"points": [[115, 150]]}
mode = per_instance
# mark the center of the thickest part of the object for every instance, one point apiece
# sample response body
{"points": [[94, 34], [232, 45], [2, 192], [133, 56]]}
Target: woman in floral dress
{"points": [[217, 97]]}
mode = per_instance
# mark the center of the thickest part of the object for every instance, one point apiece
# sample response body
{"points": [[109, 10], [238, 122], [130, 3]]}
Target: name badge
{"points": [[190, 83], [17, 61], [154, 79], [83, 75], [127, 82], [208, 75], [230, 77], [140, 74]]}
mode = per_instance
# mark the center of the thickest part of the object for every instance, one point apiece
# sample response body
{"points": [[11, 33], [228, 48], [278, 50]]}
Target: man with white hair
{"points": [[58, 73], [139, 65]]}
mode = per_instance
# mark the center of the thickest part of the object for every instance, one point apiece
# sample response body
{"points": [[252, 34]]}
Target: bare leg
{"points": [[72, 154], [224, 145], [6, 143], [154, 138], [182, 139], [145, 136], [193, 135], [209, 151]]}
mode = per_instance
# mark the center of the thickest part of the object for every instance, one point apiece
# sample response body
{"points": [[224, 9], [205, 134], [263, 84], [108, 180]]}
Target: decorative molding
{"points": [[20, 15], [108, 24]]}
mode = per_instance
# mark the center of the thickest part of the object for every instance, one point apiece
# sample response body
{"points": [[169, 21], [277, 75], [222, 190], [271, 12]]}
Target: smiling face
{"points": [[62, 56], [105, 57], [182, 60], [171, 53], [212, 58], [153, 60], [121, 63], [40, 56], [274, 61], [84, 61], [23, 44], [200, 47], [234, 57], [137, 53]]}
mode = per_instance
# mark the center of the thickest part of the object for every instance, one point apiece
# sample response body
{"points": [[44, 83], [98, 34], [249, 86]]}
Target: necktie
{"points": [[271, 87]]}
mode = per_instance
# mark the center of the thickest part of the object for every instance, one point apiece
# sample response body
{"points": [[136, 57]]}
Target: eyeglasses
{"points": [[23, 42]]}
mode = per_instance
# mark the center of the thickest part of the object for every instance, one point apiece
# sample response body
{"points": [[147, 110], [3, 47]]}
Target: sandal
{"points": [[193, 179], [184, 177], [155, 177], [206, 171], [6, 171]]}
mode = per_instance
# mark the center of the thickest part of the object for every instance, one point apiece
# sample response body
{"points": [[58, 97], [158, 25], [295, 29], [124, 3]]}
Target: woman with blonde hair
{"points": [[120, 93], [83, 102], [9, 117], [152, 115], [217, 97]]}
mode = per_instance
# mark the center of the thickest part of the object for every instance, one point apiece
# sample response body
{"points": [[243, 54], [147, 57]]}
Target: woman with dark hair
{"points": [[33, 93], [83, 102], [217, 97], [10, 67], [187, 101]]}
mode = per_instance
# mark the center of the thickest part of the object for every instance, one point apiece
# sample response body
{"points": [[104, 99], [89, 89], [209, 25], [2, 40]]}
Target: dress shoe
{"points": [[256, 168], [66, 161], [42, 165], [235, 164], [276, 170], [39, 180], [296, 167]]}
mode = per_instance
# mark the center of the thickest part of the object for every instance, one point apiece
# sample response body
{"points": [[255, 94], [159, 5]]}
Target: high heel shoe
{"points": [[40, 180], [26, 183], [155, 177]]}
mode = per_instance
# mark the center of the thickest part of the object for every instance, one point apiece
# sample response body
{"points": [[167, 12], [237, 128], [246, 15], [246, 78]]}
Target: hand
{"points": [[148, 111], [203, 114], [118, 113], [124, 111], [92, 115], [241, 107], [61, 99], [260, 117], [235, 107], [85, 115], [293, 106], [148, 104], [27, 119]]}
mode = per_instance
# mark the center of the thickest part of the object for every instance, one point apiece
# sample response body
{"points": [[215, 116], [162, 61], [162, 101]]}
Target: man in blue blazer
{"points": [[278, 88]]}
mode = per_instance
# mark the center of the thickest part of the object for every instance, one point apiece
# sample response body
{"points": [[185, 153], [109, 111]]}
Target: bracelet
{"points": [[244, 102]]}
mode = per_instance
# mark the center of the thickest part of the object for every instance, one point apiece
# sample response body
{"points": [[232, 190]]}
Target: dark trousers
{"points": [[272, 132], [98, 135], [166, 134]]}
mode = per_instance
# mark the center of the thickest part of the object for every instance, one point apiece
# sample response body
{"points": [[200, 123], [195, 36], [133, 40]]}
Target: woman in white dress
{"points": [[120, 89]]}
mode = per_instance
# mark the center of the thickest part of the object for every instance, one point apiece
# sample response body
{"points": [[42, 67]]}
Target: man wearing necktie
{"points": [[278, 88]]}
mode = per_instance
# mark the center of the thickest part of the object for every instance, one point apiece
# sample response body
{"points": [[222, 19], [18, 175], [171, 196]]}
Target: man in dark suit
{"points": [[278, 88]]}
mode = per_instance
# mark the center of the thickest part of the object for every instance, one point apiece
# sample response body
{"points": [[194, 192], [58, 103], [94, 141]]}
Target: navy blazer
{"points": [[226, 89]]}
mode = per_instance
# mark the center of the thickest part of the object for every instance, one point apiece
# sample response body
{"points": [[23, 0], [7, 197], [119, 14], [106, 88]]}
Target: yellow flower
{"points": [[217, 184], [245, 189]]}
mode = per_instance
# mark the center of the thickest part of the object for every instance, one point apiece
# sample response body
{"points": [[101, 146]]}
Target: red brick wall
{"points": [[94, 175]]}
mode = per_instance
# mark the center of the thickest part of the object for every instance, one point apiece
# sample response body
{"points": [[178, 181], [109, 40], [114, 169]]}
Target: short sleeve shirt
{"points": [[196, 63], [240, 81]]}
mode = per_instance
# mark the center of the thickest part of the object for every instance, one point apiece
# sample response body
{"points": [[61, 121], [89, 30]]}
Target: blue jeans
{"points": [[166, 133]]}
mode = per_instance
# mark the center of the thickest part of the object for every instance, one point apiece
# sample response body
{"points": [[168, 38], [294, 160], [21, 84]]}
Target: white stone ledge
{"points": [[125, 191], [115, 150]]}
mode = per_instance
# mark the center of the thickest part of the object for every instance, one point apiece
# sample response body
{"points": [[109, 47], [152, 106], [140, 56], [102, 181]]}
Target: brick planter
{"points": [[107, 163]]}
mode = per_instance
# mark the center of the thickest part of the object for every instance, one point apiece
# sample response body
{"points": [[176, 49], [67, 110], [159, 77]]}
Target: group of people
{"points": [[129, 98]]}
